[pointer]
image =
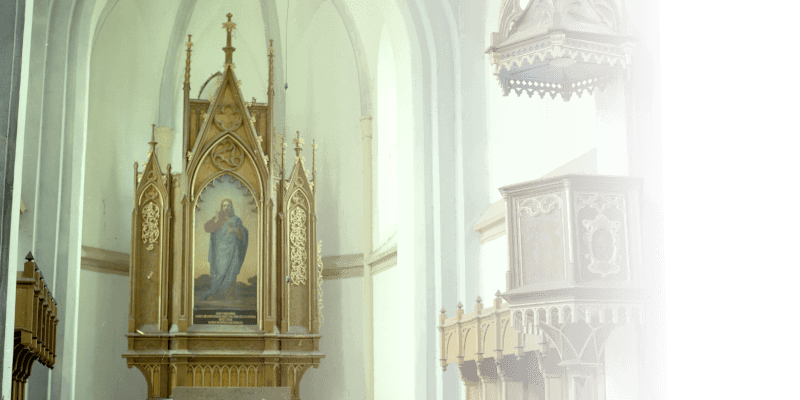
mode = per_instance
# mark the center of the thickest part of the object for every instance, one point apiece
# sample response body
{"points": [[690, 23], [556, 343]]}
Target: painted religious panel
{"points": [[225, 254]]}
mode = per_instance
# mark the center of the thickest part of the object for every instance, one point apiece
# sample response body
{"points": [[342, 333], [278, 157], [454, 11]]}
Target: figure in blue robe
{"points": [[227, 249]]}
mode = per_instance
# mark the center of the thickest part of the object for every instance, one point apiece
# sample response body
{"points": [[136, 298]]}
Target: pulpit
{"points": [[35, 321], [225, 265], [574, 277]]}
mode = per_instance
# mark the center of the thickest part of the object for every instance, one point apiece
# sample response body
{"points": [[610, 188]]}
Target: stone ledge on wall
{"points": [[336, 267], [492, 224], [106, 261]]}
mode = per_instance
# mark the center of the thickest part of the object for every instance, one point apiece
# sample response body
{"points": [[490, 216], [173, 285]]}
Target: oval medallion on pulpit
{"points": [[603, 246]]}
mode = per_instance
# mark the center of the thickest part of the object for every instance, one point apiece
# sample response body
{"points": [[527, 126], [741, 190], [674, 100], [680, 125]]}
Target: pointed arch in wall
{"points": [[362, 66]]}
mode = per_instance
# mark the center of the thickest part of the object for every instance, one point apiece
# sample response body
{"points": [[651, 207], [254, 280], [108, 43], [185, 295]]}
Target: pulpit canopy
{"points": [[565, 47]]}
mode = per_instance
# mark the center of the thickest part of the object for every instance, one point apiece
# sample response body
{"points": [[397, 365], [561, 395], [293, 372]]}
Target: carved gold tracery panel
{"points": [[150, 225], [320, 267], [297, 238]]}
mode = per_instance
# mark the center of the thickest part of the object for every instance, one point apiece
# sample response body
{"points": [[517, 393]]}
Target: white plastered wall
{"points": [[101, 370], [341, 372], [322, 102], [385, 161], [123, 103]]}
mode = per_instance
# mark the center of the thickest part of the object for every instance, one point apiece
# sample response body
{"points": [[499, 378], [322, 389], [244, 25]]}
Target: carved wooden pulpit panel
{"points": [[225, 267]]}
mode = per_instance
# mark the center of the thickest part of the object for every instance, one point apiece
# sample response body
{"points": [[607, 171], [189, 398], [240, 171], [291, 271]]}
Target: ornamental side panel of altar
{"points": [[225, 267]]}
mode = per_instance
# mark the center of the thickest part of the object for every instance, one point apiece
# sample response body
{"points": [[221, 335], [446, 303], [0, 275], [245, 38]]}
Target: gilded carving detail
{"points": [[227, 156], [228, 119], [150, 217], [151, 192], [297, 238], [319, 282]]}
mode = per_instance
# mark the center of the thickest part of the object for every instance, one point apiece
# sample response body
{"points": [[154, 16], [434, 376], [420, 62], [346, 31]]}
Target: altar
{"points": [[226, 270]]}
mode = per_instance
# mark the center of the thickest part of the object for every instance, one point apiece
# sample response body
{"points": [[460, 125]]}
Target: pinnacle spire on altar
{"points": [[298, 143], [229, 49]]}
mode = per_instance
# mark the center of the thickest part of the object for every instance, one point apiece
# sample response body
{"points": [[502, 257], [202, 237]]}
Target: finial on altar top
{"points": [[229, 26], [188, 62], [314, 159], [153, 142], [298, 143], [271, 49]]}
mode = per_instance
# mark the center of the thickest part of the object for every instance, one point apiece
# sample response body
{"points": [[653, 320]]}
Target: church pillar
{"points": [[369, 359], [11, 29]]}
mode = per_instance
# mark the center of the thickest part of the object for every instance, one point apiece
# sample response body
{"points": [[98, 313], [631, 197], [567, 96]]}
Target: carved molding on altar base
{"points": [[185, 393]]}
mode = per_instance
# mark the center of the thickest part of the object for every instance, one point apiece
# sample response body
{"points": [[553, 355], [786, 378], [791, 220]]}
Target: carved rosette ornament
{"points": [[297, 237], [227, 156], [150, 232]]}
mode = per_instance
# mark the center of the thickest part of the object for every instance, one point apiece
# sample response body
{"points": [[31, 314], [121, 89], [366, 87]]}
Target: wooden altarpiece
{"points": [[225, 270]]}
